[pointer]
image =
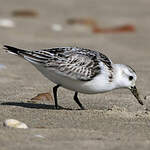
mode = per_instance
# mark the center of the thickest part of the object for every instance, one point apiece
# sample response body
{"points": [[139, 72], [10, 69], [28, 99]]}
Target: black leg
{"points": [[77, 100], [55, 95]]}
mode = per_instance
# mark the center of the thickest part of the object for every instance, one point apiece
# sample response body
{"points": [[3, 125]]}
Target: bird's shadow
{"points": [[33, 105]]}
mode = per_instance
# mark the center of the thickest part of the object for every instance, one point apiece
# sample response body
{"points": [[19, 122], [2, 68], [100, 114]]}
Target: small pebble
{"points": [[12, 123], [2, 66], [7, 23], [39, 136], [57, 27], [147, 97]]}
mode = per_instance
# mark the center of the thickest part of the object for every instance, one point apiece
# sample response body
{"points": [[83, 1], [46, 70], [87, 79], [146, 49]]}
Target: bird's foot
{"points": [[58, 107], [82, 108]]}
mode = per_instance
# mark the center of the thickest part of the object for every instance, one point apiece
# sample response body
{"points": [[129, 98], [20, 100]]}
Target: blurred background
{"points": [[118, 28], [98, 24]]}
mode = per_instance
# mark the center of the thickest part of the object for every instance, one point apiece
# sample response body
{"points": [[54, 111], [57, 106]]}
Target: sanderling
{"points": [[80, 70]]}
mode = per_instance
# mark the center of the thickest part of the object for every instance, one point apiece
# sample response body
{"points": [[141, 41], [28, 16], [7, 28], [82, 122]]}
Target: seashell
{"points": [[12, 123], [56, 27], [39, 136], [42, 96], [7, 23]]}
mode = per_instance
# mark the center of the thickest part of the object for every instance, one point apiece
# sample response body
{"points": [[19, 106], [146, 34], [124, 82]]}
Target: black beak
{"points": [[136, 94]]}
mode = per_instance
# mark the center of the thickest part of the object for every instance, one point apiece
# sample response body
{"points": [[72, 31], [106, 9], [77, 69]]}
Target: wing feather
{"points": [[77, 63], [73, 62]]}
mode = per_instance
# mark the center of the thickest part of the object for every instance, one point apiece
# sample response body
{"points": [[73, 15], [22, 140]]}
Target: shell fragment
{"points": [[12, 123]]}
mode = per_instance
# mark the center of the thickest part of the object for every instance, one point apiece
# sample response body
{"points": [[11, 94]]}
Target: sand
{"points": [[112, 120]]}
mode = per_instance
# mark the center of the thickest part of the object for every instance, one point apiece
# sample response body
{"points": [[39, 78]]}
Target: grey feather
{"points": [[77, 63], [73, 62]]}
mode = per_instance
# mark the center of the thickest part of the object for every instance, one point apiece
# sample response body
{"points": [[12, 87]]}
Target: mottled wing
{"points": [[75, 65], [103, 58]]}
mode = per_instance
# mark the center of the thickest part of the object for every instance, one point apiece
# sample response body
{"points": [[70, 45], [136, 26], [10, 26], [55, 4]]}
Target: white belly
{"points": [[98, 85]]}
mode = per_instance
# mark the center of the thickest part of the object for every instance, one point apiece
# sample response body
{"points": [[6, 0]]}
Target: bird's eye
{"points": [[130, 78]]}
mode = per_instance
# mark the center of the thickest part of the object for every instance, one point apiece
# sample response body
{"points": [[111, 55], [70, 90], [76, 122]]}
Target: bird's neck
{"points": [[117, 75]]}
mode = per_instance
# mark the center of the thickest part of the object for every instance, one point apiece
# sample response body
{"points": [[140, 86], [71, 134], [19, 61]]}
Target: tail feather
{"points": [[31, 56], [13, 50]]}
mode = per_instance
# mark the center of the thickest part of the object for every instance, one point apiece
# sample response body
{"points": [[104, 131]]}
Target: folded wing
{"points": [[72, 62]]}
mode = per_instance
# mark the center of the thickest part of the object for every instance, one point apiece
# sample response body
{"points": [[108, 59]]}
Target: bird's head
{"points": [[126, 78]]}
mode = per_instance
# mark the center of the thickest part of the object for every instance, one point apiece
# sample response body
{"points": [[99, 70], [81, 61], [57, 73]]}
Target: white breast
{"points": [[98, 84]]}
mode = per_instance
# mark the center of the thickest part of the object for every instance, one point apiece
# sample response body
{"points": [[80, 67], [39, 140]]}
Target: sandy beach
{"points": [[112, 121]]}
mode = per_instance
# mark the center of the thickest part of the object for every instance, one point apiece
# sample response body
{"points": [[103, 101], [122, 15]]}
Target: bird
{"points": [[80, 70]]}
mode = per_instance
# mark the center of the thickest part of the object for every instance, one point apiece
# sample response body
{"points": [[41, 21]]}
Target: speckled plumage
{"points": [[80, 70], [74, 62]]}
